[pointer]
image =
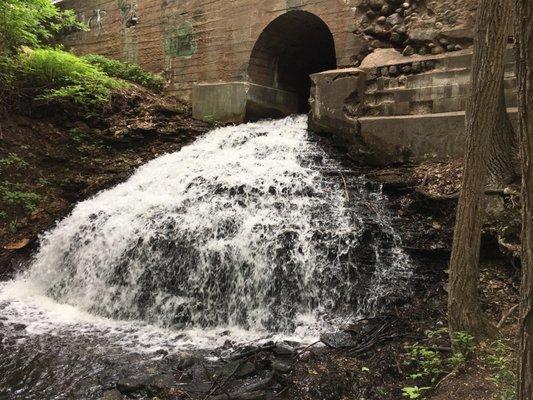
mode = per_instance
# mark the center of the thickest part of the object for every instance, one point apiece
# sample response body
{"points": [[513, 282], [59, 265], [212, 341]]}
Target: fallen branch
{"points": [[506, 315], [345, 188]]}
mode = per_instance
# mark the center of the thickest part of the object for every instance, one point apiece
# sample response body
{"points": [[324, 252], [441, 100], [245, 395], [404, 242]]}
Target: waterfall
{"points": [[247, 227]]}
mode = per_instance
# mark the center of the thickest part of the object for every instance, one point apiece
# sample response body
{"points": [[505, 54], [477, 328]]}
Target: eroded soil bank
{"points": [[50, 162]]}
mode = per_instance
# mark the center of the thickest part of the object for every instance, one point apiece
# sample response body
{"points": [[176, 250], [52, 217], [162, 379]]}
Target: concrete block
{"points": [[417, 138], [237, 102], [336, 98]]}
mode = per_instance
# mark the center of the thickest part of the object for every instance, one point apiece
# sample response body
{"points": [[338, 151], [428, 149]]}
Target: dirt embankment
{"points": [[49, 161]]}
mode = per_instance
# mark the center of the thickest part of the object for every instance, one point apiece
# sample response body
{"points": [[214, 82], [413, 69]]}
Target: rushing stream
{"points": [[248, 234]]}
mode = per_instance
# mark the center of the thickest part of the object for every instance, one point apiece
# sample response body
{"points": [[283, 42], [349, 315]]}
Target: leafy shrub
{"points": [[32, 23], [28, 200], [126, 71], [64, 78], [503, 365]]}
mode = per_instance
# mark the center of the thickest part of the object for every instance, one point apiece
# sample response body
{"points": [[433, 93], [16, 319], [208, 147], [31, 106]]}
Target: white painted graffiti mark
{"points": [[96, 20]]}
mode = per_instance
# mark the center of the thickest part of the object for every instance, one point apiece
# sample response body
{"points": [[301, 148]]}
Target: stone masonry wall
{"points": [[211, 40]]}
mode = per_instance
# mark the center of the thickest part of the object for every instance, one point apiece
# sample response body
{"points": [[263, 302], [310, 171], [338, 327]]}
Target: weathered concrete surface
{"points": [[237, 102], [400, 112], [416, 138], [335, 99]]}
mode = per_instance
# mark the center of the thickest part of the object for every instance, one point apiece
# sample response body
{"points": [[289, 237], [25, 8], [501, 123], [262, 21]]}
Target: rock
{"points": [[239, 369], [385, 10], [437, 50], [370, 14], [422, 51], [423, 34], [338, 340], [18, 327], [376, 4], [450, 47], [443, 41], [394, 19], [438, 25], [393, 70], [132, 385], [145, 384], [283, 349], [112, 395], [406, 69], [417, 67], [382, 56], [458, 47], [381, 20], [384, 71], [406, 5], [408, 51], [281, 366], [396, 38]]}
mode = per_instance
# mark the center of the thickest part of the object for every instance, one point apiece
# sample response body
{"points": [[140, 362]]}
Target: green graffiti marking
{"points": [[180, 41]]}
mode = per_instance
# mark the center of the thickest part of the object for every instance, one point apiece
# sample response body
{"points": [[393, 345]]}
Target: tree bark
{"points": [[464, 313], [503, 147], [524, 38]]}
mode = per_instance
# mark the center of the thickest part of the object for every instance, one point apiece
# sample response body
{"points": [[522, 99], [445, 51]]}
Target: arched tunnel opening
{"points": [[292, 47]]}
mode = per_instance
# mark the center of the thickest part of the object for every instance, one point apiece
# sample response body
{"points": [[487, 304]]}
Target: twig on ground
{"points": [[506, 315]]}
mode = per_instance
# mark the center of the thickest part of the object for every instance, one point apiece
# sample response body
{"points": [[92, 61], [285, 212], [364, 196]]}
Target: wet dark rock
{"points": [[18, 327], [283, 349], [146, 384], [338, 340], [238, 369], [283, 367], [416, 67], [393, 70], [112, 395]]}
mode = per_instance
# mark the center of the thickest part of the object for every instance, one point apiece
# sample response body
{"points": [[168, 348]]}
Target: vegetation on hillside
{"points": [[33, 71]]}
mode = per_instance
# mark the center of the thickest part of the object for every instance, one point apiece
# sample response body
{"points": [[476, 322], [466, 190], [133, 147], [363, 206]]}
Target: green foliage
{"points": [[502, 362], [13, 160], [464, 342], [28, 200], [32, 23], [427, 363], [63, 78], [414, 392], [126, 71], [3, 215]]}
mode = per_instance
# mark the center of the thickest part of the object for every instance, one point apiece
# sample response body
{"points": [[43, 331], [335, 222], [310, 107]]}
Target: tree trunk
{"points": [[524, 37], [464, 313], [503, 147]]}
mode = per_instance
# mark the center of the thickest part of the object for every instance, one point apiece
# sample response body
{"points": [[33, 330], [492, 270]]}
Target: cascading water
{"points": [[248, 227]]}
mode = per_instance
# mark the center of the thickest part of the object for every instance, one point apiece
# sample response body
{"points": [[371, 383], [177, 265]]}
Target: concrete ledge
{"points": [[417, 138], [335, 102], [237, 102]]}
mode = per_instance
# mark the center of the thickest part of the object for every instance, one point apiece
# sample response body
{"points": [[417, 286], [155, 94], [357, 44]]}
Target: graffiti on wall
{"points": [[128, 14], [96, 20], [180, 41]]}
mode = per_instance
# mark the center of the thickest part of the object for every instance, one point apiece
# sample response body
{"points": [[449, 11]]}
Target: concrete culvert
{"points": [[293, 46]]}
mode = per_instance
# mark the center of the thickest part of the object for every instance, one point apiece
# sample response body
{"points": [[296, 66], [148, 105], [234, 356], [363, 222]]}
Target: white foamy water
{"points": [[239, 236]]}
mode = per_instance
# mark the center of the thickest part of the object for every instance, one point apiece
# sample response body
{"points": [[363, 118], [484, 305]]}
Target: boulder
{"points": [[381, 57], [394, 19], [338, 340]]}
